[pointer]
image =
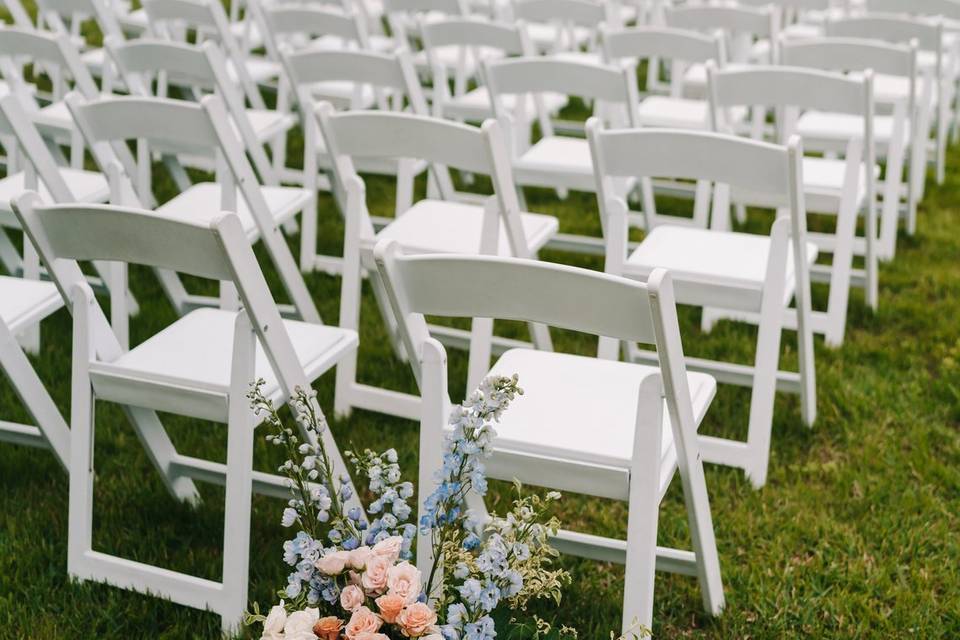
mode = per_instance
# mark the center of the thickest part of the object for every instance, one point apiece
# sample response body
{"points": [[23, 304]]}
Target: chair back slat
{"points": [[643, 42], [313, 21], [191, 13], [524, 290], [893, 29], [363, 67], [474, 32], [758, 167], [849, 54], [752, 20], [400, 135], [540, 75], [183, 63], [781, 86], [133, 236], [584, 13], [949, 9]]}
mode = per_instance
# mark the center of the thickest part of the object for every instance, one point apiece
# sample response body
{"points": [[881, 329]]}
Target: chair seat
{"points": [[714, 258], [681, 113], [25, 302], [583, 409], [54, 119], [202, 201], [86, 186], [438, 226], [827, 126], [583, 57], [267, 124], [475, 104], [451, 57], [261, 70], [545, 36], [823, 178], [185, 368], [556, 161]]}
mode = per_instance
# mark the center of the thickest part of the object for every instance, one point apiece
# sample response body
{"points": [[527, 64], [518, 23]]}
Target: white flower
{"points": [[289, 517], [273, 625], [299, 624]]}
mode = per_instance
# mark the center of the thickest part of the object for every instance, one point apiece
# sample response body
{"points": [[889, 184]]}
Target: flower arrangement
{"points": [[352, 577]]}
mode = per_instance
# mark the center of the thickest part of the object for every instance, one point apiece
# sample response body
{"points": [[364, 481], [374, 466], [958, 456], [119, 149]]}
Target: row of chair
{"points": [[841, 102]]}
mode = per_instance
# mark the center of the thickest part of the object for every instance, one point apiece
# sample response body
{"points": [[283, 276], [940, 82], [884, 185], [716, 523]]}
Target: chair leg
{"points": [[239, 479], [80, 531]]}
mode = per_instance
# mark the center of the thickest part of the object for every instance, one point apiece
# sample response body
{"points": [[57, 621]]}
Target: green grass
{"points": [[855, 534]]}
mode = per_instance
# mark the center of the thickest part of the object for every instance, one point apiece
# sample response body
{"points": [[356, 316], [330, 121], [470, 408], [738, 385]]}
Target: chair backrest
{"points": [[767, 175], [75, 12], [52, 51], [392, 72], [582, 13], [679, 47], [194, 68], [850, 55], [896, 29], [508, 38], [283, 24], [442, 143], [740, 25], [176, 126], [524, 290], [614, 87], [171, 19], [949, 9], [66, 234], [792, 5], [790, 89]]}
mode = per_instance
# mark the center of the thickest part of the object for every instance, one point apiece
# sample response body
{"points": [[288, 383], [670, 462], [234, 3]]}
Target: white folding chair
{"points": [[197, 70], [564, 28], [482, 40], [894, 135], [494, 224], [55, 55], [555, 161], [840, 187], [929, 38], [201, 366], [175, 127], [634, 444], [739, 272], [747, 31], [68, 17], [172, 19], [390, 76]]}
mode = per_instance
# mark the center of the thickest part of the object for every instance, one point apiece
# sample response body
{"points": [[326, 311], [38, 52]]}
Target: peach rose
{"points": [[351, 598], [333, 564], [358, 558], [328, 628], [362, 621], [372, 636], [416, 619], [374, 578], [389, 548], [390, 607], [404, 580]]}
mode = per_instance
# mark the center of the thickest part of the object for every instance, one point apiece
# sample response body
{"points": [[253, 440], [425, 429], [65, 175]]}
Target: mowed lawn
{"points": [[856, 534]]}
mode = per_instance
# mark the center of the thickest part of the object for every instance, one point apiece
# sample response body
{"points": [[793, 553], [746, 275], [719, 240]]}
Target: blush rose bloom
{"points": [[374, 578], [390, 607], [404, 580], [372, 636], [351, 598], [389, 548], [328, 628], [362, 621], [416, 620], [333, 564], [358, 558], [299, 624]]}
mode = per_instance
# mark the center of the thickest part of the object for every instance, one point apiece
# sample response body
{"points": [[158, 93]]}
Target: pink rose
{"points": [[362, 621], [332, 564], [358, 558], [374, 578], [351, 598], [328, 628], [416, 619], [404, 580], [389, 548], [390, 607], [372, 636]]}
